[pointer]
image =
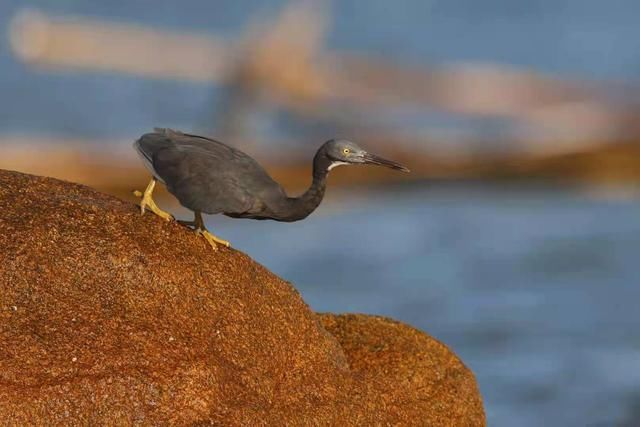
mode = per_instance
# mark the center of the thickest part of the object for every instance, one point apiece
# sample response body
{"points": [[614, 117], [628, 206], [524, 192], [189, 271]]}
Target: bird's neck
{"points": [[301, 207]]}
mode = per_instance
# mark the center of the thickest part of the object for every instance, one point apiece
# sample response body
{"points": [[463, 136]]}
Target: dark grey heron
{"points": [[207, 176]]}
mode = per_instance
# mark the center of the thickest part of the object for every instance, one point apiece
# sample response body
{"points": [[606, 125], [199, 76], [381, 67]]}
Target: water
{"points": [[536, 291], [573, 38]]}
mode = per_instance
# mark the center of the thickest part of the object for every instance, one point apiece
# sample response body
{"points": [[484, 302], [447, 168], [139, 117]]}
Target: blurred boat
{"points": [[283, 61], [563, 130]]}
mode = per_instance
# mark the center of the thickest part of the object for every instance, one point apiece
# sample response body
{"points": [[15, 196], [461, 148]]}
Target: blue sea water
{"points": [[537, 291], [571, 38]]}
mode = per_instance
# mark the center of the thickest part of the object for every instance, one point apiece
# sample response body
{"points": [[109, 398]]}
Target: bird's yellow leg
{"points": [[147, 202], [212, 239]]}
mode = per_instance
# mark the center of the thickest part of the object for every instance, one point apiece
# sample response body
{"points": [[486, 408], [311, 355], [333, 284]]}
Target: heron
{"points": [[207, 176]]}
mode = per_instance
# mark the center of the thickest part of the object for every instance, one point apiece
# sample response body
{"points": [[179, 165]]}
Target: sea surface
{"points": [[537, 291], [583, 39]]}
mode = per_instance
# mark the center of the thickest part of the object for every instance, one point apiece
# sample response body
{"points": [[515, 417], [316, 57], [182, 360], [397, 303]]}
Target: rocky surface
{"points": [[107, 317]]}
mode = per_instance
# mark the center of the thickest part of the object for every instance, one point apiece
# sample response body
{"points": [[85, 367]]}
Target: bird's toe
{"points": [[209, 238]]}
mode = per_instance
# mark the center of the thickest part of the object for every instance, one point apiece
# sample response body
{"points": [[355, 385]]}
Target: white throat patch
{"points": [[336, 163]]}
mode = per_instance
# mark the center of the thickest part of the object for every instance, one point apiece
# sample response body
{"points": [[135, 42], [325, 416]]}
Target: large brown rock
{"points": [[107, 317]]}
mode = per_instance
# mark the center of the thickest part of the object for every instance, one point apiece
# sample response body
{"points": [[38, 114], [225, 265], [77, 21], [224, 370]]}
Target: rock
{"points": [[408, 374], [109, 317]]}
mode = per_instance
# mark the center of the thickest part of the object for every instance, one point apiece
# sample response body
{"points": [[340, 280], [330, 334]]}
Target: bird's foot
{"points": [[147, 202], [213, 240]]}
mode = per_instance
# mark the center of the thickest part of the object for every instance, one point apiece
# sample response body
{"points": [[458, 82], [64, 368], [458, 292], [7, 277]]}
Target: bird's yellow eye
{"points": [[346, 151]]}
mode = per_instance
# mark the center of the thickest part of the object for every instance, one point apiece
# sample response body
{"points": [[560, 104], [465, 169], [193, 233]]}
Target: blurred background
{"points": [[515, 239]]}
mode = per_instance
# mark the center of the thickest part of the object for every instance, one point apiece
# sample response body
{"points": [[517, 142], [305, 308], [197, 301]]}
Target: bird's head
{"points": [[343, 152]]}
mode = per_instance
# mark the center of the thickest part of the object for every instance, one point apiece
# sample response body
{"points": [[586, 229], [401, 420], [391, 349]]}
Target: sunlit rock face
{"points": [[110, 317]]}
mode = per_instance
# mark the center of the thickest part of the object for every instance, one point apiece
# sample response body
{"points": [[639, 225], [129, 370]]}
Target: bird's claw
{"points": [[213, 240], [147, 202]]}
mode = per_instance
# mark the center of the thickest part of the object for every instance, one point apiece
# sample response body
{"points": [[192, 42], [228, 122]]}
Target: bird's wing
{"points": [[211, 177], [196, 143]]}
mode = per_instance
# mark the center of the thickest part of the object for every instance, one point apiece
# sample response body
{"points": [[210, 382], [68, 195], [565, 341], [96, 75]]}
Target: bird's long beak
{"points": [[375, 160]]}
